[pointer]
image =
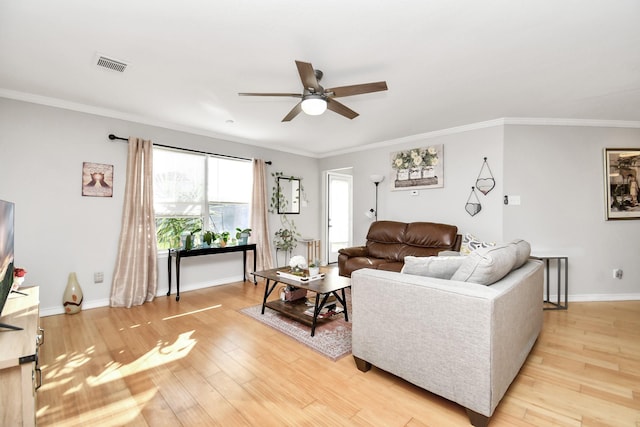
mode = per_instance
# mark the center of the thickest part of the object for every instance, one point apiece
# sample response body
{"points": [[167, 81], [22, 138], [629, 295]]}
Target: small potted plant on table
{"points": [[243, 235], [314, 268], [223, 238]]}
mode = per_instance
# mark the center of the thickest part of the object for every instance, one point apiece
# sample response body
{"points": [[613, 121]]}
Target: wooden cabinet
{"points": [[19, 371]]}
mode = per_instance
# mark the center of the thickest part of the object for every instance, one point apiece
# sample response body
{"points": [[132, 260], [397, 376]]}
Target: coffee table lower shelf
{"points": [[296, 309]]}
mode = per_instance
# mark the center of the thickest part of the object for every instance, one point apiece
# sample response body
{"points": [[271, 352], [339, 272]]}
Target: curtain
{"points": [[260, 217], [135, 279]]}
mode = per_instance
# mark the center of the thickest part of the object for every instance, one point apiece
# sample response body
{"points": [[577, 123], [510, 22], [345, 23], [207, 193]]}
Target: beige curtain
{"points": [[135, 279], [260, 217]]}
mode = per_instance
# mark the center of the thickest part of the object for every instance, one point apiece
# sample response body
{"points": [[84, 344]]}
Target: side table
{"points": [[562, 278], [313, 249]]}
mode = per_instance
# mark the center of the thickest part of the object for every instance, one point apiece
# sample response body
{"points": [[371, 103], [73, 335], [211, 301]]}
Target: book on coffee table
{"points": [[325, 312], [300, 278]]}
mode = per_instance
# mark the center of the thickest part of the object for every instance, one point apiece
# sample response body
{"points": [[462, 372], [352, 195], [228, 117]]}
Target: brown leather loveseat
{"points": [[388, 242]]}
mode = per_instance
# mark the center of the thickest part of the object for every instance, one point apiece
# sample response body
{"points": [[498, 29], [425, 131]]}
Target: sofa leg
{"points": [[362, 365], [476, 419]]}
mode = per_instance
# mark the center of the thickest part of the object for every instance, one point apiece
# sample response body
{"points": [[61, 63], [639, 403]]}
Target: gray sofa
{"points": [[463, 341]]}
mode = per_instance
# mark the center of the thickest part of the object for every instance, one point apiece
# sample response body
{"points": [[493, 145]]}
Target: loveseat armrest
{"points": [[345, 254], [354, 251]]}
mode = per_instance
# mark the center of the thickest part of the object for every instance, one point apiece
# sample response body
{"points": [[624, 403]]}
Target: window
{"points": [[198, 191]]}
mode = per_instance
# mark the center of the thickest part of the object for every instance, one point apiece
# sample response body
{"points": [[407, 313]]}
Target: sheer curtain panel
{"points": [[260, 216], [135, 279]]}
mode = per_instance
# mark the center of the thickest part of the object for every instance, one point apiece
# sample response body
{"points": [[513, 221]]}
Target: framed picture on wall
{"points": [[621, 167], [97, 180], [418, 168]]}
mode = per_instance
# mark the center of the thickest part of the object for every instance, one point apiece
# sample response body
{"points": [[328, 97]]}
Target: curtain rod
{"points": [[112, 137]]}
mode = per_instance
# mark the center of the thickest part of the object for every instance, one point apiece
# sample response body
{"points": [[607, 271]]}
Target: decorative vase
{"points": [[314, 271], [72, 297], [17, 282], [18, 278]]}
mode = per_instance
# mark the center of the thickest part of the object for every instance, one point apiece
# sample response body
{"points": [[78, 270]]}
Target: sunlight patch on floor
{"points": [[161, 354], [192, 312]]}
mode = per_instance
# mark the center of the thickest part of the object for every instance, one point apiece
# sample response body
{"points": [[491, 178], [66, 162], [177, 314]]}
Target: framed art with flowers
{"points": [[97, 180], [621, 168], [418, 168]]}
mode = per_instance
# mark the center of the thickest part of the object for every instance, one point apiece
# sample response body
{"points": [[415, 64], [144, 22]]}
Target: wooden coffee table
{"points": [[331, 284]]}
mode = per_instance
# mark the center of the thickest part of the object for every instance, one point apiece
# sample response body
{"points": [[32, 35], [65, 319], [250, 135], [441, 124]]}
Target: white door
{"points": [[339, 214]]}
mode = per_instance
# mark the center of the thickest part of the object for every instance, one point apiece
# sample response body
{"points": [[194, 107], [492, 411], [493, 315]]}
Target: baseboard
{"points": [[161, 292], [598, 297]]}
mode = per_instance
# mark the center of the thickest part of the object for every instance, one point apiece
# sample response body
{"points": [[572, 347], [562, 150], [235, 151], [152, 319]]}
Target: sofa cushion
{"points": [[523, 251], [387, 232], [430, 235], [470, 243], [442, 267], [485, 266]]}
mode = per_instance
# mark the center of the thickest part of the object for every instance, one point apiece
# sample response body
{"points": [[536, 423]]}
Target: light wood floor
{"points": [[200, 362]]}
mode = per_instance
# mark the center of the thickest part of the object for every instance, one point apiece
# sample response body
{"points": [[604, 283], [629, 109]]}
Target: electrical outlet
{"points": [[617, 273], [98, 277]]}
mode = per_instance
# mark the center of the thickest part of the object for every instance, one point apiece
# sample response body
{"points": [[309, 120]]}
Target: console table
{"points": [[184, 253]]}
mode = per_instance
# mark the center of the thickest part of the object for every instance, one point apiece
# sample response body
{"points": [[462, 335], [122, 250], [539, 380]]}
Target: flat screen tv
{"points": [[6, 255]]}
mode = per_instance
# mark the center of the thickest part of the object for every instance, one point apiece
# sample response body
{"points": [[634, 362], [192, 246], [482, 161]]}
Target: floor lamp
{"points": [[376, 179]]}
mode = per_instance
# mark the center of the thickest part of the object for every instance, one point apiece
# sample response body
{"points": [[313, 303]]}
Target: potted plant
{"points": [[314, 268], [243, 235], [171, 232], [189, 241], [208, 237], [285, 239], [223, 238]]}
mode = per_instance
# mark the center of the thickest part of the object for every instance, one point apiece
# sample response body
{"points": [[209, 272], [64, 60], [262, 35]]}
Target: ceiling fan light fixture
{"points": [[314, 105]]}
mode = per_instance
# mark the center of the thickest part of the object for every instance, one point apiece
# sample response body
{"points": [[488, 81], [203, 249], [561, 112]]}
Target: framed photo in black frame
{"points": [[621, 168]]}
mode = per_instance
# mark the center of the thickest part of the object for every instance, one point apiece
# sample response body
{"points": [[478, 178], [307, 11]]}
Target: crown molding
{"points": [[420, 137], [114, 114], [534, 121], [528, 121]]}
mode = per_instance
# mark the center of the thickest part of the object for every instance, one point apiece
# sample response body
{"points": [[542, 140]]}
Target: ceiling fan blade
{"points": [[341, 109], [294, 112], [357, 89], [294, 95], [308, 76]]}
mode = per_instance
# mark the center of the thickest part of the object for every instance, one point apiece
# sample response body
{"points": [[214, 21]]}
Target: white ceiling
{"points": [[447, 63]]}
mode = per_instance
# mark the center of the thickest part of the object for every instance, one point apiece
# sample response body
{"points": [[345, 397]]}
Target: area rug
{"points": [[332, 339]]}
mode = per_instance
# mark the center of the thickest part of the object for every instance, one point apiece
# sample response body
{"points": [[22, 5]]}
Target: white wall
{"points": [[557, 171], [464, 154], [59, 231]]}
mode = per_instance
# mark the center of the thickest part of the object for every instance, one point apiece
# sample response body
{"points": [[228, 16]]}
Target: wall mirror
{"points": [[289, 195]]}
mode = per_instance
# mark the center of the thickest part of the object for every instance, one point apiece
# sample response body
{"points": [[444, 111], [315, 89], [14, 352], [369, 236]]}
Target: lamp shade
{"points": [[314, 105], [376, 179]]}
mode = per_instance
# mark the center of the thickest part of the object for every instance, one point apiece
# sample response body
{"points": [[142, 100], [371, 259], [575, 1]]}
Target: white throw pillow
{"points": [[470, 243], [523, 251], [441, 267], [485, 266]]}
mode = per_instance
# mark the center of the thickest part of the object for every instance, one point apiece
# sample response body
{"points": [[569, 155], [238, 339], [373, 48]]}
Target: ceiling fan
{"points": [[316, 99]]}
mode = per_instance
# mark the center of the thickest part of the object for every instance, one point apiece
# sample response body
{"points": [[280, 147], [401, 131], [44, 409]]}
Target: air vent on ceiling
{"points": [[111, 64]]}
